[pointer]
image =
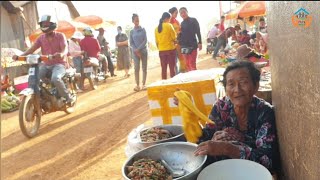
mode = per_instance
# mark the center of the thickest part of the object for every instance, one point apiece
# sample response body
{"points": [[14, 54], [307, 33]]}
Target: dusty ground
{"points": [[88, 144]]}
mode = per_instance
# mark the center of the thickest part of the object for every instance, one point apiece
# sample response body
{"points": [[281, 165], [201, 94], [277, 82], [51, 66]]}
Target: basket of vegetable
{"points": [[179, 156], [159, 134]]}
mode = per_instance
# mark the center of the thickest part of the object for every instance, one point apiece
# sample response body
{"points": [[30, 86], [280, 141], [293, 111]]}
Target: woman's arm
{"points": [[123, 43], [133, 46], [173, 33], [144, 42], [156, 37], [216, 116]]}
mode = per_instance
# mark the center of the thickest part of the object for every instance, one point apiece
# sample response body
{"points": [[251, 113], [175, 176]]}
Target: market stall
{"points": [[10, 68], [161, 146]]}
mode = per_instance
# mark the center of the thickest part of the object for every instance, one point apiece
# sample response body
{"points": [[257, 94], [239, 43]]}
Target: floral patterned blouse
{"points": [[260, 144]]}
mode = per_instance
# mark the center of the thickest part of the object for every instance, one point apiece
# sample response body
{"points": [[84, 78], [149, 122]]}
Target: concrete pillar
{"points": [[295, 68]]}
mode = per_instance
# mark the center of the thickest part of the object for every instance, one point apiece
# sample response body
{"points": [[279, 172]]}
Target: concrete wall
{"points": [[11, 30], [295, 68]]}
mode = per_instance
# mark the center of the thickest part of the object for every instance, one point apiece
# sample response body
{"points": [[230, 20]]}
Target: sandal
{"points": [[137, 88], [143, 87]]}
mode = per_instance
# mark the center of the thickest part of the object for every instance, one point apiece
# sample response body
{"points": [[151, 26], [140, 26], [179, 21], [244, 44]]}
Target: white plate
{"points": [[233, 169]]}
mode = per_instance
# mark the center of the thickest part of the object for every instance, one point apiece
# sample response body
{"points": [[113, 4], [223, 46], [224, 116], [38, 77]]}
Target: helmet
{"points": [[77, 35], [47, 27], [87, 31]]}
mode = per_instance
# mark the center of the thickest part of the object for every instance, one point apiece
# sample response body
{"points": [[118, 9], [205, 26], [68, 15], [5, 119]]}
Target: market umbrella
{"points": [[247, 9], [95, 22], [252, 8], [65, 27], [232, 14], [6, 57]]}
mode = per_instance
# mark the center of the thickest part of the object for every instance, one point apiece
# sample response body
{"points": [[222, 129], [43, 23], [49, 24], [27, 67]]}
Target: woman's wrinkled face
{"points": [[239, 87], [136, 21]]}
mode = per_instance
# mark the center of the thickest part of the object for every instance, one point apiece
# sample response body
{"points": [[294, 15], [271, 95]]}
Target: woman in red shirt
{"points": [[176, 25]]}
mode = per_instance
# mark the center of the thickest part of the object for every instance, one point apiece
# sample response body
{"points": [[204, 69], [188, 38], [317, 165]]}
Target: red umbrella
{"points": [[252, 8], [247, 9], [94, 21]]}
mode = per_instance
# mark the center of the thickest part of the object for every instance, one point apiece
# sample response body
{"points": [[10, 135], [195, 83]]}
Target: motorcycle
{"points": [[41, 98], [88, 70], [211, 44], [92, 69]]}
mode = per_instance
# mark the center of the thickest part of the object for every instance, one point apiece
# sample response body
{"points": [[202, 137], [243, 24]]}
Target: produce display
{"points": [[9, 103], [154, 134], [147, 169]]}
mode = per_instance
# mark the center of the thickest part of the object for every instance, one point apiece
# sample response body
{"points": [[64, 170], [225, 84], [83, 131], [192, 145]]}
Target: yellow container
{"points": [[164, 111]]}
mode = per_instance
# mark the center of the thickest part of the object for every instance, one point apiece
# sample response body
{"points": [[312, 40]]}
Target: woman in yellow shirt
{"points": [[166, 37]]}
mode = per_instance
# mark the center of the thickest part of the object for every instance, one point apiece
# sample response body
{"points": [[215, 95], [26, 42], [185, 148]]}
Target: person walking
{"points": [[138, 43], [176, 25], [123, 57], [190, 29], [165, 37], [105, 51]]}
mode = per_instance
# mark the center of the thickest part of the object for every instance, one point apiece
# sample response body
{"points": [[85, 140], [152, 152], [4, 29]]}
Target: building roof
{"points": [[19, 3]]}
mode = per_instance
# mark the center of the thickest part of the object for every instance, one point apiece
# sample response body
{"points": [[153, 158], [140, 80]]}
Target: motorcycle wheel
{"points": [[71, 109], [29, 118]]}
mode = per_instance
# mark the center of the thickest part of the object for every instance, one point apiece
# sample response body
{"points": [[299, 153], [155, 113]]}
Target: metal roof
{"points": [[19, 3]]}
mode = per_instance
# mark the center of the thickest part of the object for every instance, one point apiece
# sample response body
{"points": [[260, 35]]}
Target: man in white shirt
{"points": [[213, 32]]}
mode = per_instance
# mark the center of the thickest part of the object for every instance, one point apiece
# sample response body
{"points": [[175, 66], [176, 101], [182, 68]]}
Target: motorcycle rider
{"points": [[91, 45], [55, 45]]}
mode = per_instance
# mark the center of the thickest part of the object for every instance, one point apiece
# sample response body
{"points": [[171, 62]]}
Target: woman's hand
{"points": [[175, 99], [137, 53], [212, 148], [14, 57], [228, 134], [119, 43]]}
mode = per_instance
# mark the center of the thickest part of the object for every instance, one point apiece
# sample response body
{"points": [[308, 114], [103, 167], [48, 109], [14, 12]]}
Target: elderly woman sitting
{"points": [[244, 124]]}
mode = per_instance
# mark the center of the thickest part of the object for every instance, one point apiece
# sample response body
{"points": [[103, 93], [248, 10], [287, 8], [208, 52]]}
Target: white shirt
{"points": [[74, 49], [213, 32]]}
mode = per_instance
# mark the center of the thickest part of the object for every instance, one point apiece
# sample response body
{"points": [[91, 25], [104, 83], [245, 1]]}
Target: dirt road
{"points": [[88, 144]]}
